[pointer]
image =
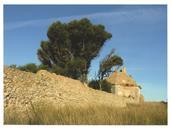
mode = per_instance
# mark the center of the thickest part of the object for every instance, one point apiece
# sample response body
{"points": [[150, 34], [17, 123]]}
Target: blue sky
{"points": [[139, 36]]}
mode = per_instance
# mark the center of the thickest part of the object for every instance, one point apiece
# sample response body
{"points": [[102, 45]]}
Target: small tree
{"points": [[106, 65]]}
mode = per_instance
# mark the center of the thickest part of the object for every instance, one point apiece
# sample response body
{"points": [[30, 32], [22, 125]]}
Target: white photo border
{"points": [[80, 2]]}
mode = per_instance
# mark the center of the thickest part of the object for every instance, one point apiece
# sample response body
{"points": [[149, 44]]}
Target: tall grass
{"points": [[144, 114]]}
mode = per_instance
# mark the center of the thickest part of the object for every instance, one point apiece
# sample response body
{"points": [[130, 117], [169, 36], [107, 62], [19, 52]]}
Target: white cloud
{"points": [[135, 69], [139, 14]]}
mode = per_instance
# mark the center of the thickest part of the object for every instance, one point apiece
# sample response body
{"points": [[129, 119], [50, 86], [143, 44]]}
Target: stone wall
{"points": [[23, 88], [131, 94]]}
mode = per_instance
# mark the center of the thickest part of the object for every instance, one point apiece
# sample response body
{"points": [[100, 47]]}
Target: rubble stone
{"points": [[22, 88]]}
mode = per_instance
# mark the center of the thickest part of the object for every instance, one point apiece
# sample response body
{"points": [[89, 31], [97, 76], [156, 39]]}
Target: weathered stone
{"points": [[124, 86], [25, 88]]}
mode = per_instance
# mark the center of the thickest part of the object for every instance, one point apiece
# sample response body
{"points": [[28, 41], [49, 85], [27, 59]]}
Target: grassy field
{"points": [[144, 114]]}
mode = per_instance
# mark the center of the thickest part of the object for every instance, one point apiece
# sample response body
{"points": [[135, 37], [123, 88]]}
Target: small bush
{"points": [[106, 86], [31, 67], [94, 84], [42, 67], [57, 70], [13, 66]]}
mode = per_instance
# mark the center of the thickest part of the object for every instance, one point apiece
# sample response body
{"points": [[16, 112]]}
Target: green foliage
{"points": [[31, 67], [76, 68], [139, 86], [58, 70], [111, 60], [94, 84], [71, 47], [100, 85], [105, 86], [42, 67], [13, 66]]}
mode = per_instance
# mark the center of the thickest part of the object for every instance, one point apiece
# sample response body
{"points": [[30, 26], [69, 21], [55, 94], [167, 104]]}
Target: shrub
{"points": [[13, 66], [57, 70], [94, 84], [31, 67], [105, 86], [42, 67], [100, 85]]}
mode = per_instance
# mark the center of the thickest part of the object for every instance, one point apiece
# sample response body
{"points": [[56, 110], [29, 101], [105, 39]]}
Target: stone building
{"points": [[124, 85]]}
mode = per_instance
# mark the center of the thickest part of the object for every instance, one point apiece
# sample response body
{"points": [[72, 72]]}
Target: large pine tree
{"points": [[71, 47]]}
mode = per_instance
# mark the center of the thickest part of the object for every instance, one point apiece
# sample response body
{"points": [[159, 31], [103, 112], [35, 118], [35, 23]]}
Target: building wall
{"points": [[131, 94]]}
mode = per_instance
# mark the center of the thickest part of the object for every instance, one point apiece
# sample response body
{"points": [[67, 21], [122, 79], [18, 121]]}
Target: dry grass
{"points": [[144, 114]]}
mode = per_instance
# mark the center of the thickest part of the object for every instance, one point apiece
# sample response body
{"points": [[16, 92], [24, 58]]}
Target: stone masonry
{"points": [[23, 88], [124, 86]]}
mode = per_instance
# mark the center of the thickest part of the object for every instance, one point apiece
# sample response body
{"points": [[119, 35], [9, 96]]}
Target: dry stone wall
{"points": [[23, 88]]}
